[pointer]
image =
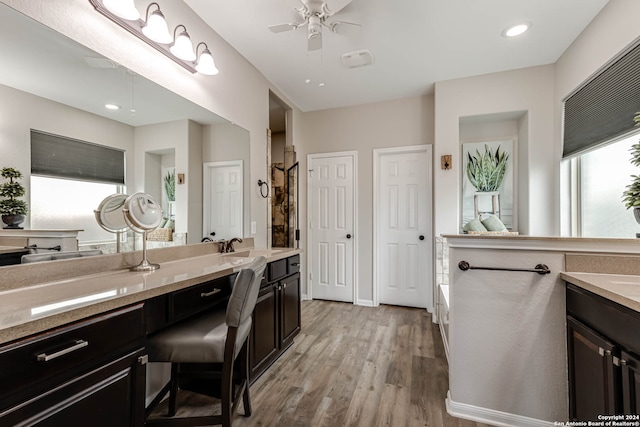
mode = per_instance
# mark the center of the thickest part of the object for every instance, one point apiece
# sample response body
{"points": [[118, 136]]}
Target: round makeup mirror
{"points": [[142, 214]]}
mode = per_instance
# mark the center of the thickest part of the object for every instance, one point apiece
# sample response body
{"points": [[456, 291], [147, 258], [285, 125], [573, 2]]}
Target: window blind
{"points": [[61, 157], [603, 109]]}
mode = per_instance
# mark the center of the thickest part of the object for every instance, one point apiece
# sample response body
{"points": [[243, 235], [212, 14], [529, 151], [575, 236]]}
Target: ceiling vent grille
{"points": [[359, 58]]}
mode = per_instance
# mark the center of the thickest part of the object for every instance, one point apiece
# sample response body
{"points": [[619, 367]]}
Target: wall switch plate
{"points": [[253, 227]]}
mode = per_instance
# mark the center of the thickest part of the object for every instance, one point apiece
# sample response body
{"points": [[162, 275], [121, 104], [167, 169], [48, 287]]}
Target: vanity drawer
{"points": [[277, 270], [37, 363], [187, 302], [293, 264]]}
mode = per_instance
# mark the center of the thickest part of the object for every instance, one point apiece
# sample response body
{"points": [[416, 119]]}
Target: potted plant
{"points": [[12, 210], [631, 196], [170, 189]]}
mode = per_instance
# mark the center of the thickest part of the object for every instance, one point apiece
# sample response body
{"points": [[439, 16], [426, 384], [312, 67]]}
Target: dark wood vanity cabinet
{"points": [[603, 346], [88, 373], [276, 318]]}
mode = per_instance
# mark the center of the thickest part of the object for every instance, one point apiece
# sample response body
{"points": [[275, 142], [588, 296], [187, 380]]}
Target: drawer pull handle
{"points": [[295, 264], [208, 294], [44, 357]]}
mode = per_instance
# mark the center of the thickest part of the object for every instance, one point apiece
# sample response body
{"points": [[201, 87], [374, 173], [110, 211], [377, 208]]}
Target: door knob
{"points": [[348, 236], [421, 237]]}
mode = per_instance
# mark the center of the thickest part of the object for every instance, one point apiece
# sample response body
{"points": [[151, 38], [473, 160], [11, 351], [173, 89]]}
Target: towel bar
{"points": [[540, 268]]}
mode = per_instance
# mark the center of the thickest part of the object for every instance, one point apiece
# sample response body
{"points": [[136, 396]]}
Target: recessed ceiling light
{"points": [[321, 85], [308, 81], [111, 106], [516, 30]]}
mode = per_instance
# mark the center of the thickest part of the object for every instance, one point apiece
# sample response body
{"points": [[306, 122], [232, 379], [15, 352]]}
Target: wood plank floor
{"points": [[356, 366]]}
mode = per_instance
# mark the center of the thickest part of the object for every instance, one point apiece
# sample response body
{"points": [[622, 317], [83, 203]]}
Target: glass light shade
{"points": [[206, 64], [125, 9], [156, 28], [183, 48]]}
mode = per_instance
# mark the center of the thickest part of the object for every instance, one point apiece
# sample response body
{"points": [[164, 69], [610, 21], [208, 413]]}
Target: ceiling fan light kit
{"points": [[315, 14], [155, 32]]}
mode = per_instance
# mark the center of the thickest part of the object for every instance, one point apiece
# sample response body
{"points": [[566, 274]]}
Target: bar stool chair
{"points": [[195, 346]]}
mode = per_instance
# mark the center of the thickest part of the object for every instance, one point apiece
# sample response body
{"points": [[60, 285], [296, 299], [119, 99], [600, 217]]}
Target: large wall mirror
{"points": [[54, 85]]}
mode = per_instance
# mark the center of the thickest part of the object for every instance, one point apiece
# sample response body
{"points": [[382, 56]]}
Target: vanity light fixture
{"points": [[516, 30], [182, 46], [155, 32], [206, 64], [155, 26]]}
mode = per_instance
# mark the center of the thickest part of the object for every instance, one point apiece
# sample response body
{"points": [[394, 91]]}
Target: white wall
{"points": [[615, 27], [239, 93], [223, 142], [528, 90], [362, 128], [20, 112], [160, 137]]}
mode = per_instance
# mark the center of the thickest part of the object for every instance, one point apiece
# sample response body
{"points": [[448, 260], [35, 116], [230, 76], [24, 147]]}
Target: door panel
{"points": [[592, 374], [630, 383], [223, 190], [403, 212], [332, 227]]}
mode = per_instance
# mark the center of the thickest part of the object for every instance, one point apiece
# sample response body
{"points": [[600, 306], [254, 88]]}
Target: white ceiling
{"points": [[414, 42]]}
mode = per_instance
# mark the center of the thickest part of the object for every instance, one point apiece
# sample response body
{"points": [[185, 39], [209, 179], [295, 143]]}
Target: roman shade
{"points": [[61, 157], [603, 109]]}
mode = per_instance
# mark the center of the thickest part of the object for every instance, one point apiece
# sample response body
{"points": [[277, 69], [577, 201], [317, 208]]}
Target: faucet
{"points": [[229, 244]]}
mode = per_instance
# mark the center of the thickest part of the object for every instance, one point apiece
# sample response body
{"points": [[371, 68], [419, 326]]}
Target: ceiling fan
{"points": [[315, 14]]}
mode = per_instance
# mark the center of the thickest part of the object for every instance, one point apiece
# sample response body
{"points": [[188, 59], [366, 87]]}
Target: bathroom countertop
{"points": [[12, 249], [32, 309], [620, 288]]}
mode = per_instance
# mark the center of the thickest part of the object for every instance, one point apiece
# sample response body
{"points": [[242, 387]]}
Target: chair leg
{"points": [[173, 391], [246, 399]]}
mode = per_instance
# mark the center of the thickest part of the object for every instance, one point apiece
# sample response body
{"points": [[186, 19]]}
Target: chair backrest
{"points": [[53, 256], [244, 294]]}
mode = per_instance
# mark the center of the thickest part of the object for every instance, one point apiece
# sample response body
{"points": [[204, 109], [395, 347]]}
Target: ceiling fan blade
{"points": [[344, 28], [335, 6], [315, 42], [279, 28]]}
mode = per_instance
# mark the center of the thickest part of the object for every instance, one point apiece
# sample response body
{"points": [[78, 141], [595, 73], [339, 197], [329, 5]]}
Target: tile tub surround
{"points": [[37, 307]]}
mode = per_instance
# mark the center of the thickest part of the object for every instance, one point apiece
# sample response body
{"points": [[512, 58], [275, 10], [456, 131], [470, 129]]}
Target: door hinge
{"points": [[143, 360]]}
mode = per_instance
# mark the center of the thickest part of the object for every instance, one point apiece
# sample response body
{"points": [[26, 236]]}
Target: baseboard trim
{"points": [[365, 302], [490, 416]]}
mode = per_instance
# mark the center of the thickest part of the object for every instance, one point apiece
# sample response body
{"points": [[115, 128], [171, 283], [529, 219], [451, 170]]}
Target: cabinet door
{"points": [[111, 395], [289, 309], [630, 383], [593, 378], [263, 347]]}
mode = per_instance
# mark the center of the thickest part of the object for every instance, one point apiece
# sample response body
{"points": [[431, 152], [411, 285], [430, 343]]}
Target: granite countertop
{"points": [[619, 288], [32, 309]]}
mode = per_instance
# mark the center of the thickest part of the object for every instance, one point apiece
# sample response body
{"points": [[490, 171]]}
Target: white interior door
{"points": [[332, 225], [403, 227], [222, 199]]}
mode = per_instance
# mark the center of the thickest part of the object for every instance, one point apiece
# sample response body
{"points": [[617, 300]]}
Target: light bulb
{"points": [[183, 48], [156, 28], [206, 64], [125, 9]]}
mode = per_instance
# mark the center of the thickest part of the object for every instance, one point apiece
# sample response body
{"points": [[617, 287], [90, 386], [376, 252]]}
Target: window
{"points": [[69, 179], [67, 204], [600, 178]]}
